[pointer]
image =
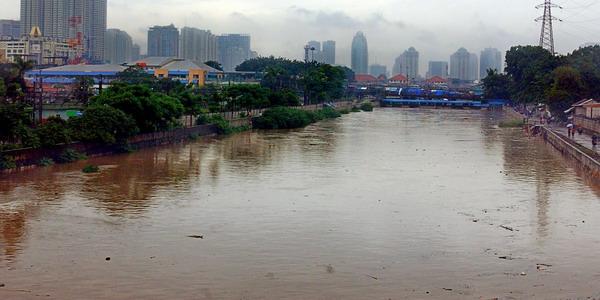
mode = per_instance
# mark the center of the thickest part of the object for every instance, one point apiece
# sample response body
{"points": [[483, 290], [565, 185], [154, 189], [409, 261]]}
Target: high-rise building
{"points": [[198, 44], [315, 52], [10, 28], [438, 68], [233, 49], [463, 65], [490, 58], [81, 22], [163, 41], [378, 70], [314, 44], [135, 52], [118, 46], [474, 67], [407, 64], [360, 54], [329, 52]]}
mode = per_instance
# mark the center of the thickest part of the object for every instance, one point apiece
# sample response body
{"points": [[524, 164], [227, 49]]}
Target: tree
{"points": [[2, 88], [102, 124], [15, 120], [285, 97], [54, 131], [496, 85], [137, 75], [214, 64], [530, 69], [151, 111], [247, 96], [567, 88], [83, 89]]}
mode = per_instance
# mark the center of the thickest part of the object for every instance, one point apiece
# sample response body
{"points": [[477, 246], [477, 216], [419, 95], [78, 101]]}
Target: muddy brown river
{"points": [[394, 204]]}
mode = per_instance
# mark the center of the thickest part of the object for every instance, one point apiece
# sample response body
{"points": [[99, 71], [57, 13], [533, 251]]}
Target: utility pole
{"points": [[547, 35]]}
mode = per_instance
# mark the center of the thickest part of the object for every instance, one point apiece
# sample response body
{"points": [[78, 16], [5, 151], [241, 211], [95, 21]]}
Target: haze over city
{"points": [[434, 28]]}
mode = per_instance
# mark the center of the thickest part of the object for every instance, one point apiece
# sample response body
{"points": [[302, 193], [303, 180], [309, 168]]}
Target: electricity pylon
{"points": [[547, 35]]}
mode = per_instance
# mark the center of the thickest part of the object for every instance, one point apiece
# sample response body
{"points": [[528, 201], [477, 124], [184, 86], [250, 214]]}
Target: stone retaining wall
{"points": [[30, 157], [584, 162]]}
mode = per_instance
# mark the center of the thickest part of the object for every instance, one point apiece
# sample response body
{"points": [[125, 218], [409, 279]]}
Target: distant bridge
{"points": [[394, 102]]}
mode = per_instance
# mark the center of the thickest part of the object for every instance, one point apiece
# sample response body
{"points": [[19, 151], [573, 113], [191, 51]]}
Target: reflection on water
{"points": [[392, 204]]}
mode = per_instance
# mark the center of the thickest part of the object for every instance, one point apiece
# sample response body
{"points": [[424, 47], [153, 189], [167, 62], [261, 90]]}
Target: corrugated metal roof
{"points": [[83, 69]]}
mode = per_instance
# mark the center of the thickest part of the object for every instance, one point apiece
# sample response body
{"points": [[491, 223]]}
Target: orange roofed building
{"points": [[437, 80], [398, 79]]}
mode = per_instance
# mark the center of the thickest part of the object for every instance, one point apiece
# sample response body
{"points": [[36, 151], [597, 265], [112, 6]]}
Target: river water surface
{"points": [[394, 204]]}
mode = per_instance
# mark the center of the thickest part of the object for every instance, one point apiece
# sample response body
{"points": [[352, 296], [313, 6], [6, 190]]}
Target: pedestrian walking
{"points": [[579, 129], [594, 139], [570, 129]]}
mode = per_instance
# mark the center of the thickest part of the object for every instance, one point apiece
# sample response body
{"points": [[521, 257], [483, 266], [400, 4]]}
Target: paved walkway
{"points": [[582, 139]]}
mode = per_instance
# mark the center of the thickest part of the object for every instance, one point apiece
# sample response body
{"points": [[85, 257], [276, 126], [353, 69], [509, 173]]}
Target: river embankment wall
{"points": [[30, 157], [584, 162]]}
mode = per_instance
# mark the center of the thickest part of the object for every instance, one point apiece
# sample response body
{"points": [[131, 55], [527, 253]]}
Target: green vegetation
{"points": [[512, 124], [534, 75], [366, 107], [71, 155], [45, 161], [286, 118], [7, 163], [344, 111], [91, 169], [102, 125], [54, 131]]}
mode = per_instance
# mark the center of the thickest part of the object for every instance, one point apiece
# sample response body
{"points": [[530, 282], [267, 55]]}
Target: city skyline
{"points": [[282, 28]]}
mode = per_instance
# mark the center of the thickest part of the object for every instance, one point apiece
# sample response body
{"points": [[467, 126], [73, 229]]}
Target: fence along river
{"points": [[398, 203]]}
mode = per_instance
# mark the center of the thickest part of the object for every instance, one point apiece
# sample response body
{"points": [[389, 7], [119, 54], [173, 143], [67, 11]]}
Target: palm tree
{"points": [[21, 66]]}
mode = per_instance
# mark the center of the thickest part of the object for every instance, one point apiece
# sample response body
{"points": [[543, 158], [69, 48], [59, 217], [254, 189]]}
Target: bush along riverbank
{"points": [[288, 118]]}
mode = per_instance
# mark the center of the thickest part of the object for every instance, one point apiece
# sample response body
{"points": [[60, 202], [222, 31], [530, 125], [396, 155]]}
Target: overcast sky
{"points": [[436, 28]]}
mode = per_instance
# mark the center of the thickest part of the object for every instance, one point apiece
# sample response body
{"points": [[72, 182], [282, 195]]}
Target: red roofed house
{"points": [[437, 80], [398, 79], [366, 79]]}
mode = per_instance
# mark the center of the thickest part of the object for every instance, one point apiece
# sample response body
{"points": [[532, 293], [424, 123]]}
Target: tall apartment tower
{"points": [[198, 44], [118, 46], [329, 52], [233, 49], [163, 41], [360, 54], [81, 22], [438, 68], [407, 64], [490, 58], [10, 28], [135, 52], [463, 65]]}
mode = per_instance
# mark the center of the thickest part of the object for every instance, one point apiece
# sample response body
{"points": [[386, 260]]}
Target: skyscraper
{"points": [[490, 58], [10, 28], [163, 41], [463, 65], [360, 54], [81, 22], [233, 49], [438, 68], [118, 46], [329, 52], [378, 70], [474, 67], [198, 44], [135, 52], [407, 64]]}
